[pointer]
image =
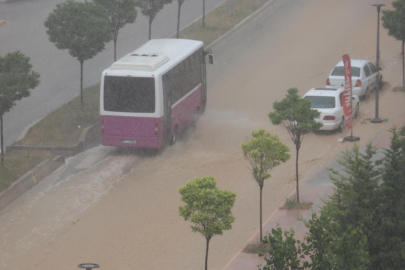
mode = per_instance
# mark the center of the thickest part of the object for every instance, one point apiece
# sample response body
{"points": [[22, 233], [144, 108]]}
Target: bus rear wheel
{"points": [[174, 137], [197, 115]]}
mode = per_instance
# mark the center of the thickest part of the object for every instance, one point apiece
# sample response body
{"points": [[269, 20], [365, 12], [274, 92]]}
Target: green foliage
{"points": [[318, 240], [357, 199], [392, 254], [297, 117], [394, 20], [208, 207], [16, 79], [120, 13], [284, 253], [264, 152], [329, 246], [356, 195], [81, 28]]}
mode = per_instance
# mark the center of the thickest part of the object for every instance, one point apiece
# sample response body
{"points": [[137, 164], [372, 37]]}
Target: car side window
{"points": [[367, 71], [372, 67], [340, 99]]}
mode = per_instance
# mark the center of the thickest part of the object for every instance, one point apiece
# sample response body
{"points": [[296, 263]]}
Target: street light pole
{"points": [[377, 88]]}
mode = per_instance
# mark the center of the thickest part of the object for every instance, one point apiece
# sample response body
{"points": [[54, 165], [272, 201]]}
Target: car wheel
{"points": [[367, 94], [174, 137], [342, 125], [356, 112]]}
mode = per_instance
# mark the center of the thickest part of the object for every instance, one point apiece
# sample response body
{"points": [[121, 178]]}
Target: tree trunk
{"points": [[261, 222], [403, 66], [1, 131], [81, 82], [206, 253], [178, 21], [115, 46], [296, 172], [150, 28], [203, 13]]}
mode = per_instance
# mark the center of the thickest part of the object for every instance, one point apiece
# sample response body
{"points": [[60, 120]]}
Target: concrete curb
{"points": [[29, 180], [89, 136]]}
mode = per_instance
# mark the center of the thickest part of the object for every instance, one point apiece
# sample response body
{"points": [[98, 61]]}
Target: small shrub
{"points": [[256, 248], [291, 203]]}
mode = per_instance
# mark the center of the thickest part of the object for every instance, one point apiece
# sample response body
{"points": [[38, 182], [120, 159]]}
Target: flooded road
{"points": [[120, 209]]}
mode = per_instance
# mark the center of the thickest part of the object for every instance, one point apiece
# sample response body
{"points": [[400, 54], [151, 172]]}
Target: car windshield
{"points": [[319, 102], [339, 71]]}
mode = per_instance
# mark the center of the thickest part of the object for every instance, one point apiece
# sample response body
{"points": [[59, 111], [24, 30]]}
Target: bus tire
{"points": [[174, 137], [196, 117], [202, 108]]}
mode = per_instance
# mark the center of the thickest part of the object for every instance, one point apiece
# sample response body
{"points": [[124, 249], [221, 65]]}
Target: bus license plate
{"points": [[129, 141]]}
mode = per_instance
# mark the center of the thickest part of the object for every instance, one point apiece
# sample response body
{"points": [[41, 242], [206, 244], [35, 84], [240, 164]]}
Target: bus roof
{"points": [[155, 53]]}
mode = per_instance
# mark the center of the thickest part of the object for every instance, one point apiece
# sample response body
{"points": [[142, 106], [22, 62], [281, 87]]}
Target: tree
{"points": [[329, 247], [120, 13], [392, 250], [297, 117], [81, 28], [394, 21], [180, 2], [264, 152], [208, 207], [150, 8], [284, 252], [16, 79]]}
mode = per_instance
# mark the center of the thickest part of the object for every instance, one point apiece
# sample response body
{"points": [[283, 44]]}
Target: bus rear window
{"points": [[129, 94]]}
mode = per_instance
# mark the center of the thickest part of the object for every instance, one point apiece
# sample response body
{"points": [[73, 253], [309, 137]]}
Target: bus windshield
{"points": [[129, 94]]}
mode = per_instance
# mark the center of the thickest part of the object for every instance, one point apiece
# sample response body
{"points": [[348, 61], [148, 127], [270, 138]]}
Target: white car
{"points": [[329, 102], [364, 77]]}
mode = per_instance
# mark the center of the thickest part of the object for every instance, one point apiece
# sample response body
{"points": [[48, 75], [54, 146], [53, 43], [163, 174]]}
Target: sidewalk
{"points": [[316, 186]]}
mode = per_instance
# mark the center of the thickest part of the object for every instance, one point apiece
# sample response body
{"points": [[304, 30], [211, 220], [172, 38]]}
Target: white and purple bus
{"points": [[152, 94]]}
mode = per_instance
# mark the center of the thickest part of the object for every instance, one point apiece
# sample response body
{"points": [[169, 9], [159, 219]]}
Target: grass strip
{"points": [[16, 165], [219, 20], [64, 126]]}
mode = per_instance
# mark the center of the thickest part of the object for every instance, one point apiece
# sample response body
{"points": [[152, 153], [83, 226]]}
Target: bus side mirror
{"points": [[211, 58]]}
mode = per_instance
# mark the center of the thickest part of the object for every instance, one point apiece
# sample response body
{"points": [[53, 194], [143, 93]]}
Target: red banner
{"points": [[347, 94]]}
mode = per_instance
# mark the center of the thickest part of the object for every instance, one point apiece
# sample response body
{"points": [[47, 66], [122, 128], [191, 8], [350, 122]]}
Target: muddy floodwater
{"points": [[120, 208]]}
